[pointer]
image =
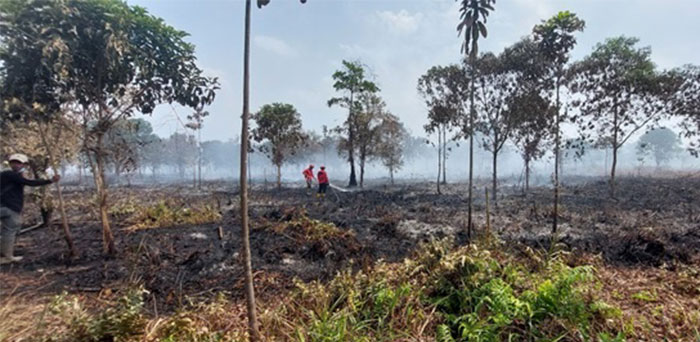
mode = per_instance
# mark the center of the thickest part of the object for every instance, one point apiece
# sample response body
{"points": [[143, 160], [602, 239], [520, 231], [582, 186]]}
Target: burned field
{"points": [[182, 245]]}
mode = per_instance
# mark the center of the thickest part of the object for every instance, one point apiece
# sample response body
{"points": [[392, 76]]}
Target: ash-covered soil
{"points": [[652, 222]]}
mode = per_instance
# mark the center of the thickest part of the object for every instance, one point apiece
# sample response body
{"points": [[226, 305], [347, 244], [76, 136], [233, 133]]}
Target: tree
{"points": [[496, 86], [531, 114], [443, 89], [622, 93], [196, 120], [279, 126], [29, 54], [110, 60], [352, 83], [154, 155], [180, 152], [685, 104], [473, 16], [555, 40], [126, 143], [391, 144], [38, 139], [661, 143], [533, 120], [245, 231], [367, 126]]}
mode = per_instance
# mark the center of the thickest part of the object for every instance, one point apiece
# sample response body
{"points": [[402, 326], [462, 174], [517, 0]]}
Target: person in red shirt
{"points": [[322, 182], [309, 176]]}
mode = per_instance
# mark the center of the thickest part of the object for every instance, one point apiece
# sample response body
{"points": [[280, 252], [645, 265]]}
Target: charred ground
{"points": [[654, 222]]}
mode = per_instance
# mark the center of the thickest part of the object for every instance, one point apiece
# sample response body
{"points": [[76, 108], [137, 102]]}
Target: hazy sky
{"points": [[296, 48]]}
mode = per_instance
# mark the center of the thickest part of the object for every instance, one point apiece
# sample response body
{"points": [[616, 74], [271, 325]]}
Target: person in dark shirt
{"points": [[11, 202]]}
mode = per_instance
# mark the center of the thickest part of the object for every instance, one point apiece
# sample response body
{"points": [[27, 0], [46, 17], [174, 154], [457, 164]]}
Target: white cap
{"points": [[19, 157]]}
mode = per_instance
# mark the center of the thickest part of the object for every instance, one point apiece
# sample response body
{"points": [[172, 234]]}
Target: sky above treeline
{"points": [[295, 48]]}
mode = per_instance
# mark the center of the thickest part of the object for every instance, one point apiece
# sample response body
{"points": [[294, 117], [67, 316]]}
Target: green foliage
{"points": [[200, 323], [555, 37], [127, 143], [100, 52], [305, 229], [118, 322], [645, 296], [168, 214], [381, 305], [605, 337], [485, 298], [473, 16], [279, 125], [442, 293], [352, 81]]}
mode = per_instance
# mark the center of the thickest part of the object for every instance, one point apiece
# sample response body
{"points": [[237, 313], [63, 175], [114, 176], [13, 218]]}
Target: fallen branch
{"points": [[30, 228]]}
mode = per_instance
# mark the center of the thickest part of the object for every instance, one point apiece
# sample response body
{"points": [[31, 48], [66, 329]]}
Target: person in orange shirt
{"points": [[322, 182], [309, 176]]}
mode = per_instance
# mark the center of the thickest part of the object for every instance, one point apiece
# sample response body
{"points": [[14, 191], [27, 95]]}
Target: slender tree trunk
{"points": [[351, 144], [615, 147], [98, 172], [362, 170], [391, 174], [494, 178], [199, 158], [439, 161], [488, 211], [562, 160], [250, 174], [527, 174], [612, 171], [249, 288], [279, 176], [61, 206], [555, 212], [80, 172], [471, 149], [444, 156]]}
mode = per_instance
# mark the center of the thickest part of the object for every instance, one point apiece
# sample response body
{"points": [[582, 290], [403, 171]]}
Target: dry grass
{"points": [[655, 302]]}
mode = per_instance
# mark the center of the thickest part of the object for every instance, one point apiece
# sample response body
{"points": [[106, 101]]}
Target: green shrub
{"points": [[118, 322], [484, 296], [168, 214]]}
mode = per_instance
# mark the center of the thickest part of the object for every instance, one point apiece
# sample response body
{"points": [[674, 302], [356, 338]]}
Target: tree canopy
{"points": [[279, 129]]}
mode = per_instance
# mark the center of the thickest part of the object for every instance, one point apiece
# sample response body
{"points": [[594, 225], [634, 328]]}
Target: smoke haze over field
{"points": [[295, 55]]}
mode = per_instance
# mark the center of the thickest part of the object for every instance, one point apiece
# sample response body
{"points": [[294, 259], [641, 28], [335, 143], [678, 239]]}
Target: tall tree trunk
{"points": [[279, 176], [98, 172], [527, 174], [612, 172], [494, 194], [391, 174], [249, 288], [80, 172], [562, 160], [199, 158], [471, 148], [555, 212], [439, 161], [362, 169], [351, 144], [61, 206], [615, 147], [444, 156], [245, 230]]}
